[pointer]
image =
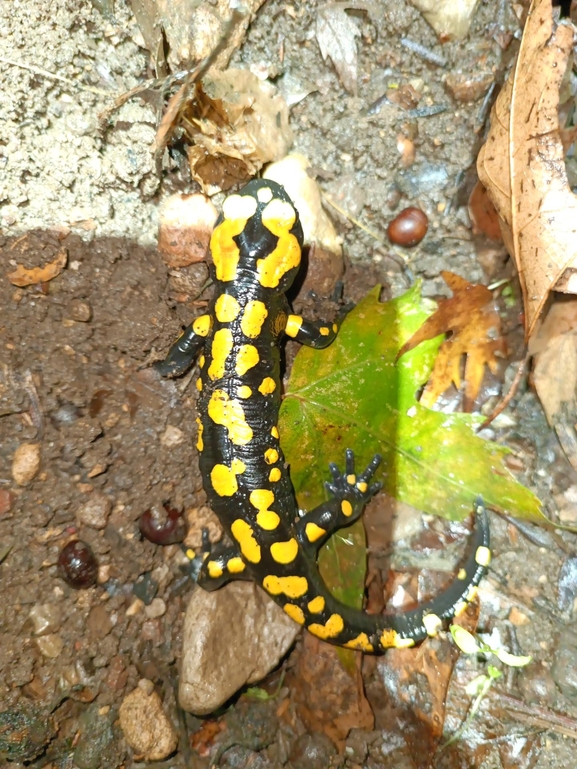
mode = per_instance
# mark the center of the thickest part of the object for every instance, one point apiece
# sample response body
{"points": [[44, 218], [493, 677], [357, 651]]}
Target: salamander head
{"points": [[259, 234]]}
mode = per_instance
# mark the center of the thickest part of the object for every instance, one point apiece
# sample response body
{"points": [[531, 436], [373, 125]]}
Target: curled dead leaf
{"points": [[236, 123], [24, 276], [522, 164], [186, 223], [336, 33]]}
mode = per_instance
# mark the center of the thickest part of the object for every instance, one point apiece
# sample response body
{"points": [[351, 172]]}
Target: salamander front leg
{"points": [[183, 352], [350, 495], [318, 333]]}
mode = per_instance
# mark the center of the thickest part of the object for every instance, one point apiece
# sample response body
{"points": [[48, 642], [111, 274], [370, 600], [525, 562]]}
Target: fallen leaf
{"points": [[188, 30], [474, 321], [353, 394], [522, 164], [555, 340], [327, 698], [186, 223], [449, 18], [236, 123], [484, 218], [336, 33], [23, 276]]}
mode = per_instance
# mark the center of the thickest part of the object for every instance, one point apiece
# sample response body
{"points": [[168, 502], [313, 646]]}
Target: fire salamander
{"points": [[256, 253]]}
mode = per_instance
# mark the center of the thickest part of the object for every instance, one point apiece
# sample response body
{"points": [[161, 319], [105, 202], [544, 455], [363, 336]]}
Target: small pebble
{"points": [[80, 311], [145, 725], [95, 511], [155, 609], [26, 463], [45, 618], [408, 228], [50, 645], [5, 501], [171, 437]]}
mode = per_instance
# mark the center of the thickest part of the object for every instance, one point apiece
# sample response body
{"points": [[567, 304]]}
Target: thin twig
{"points": [[502, 405], [53, 76]]}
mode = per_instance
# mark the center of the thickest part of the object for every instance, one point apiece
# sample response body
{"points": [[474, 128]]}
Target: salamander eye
{"points": [[77, 565]]}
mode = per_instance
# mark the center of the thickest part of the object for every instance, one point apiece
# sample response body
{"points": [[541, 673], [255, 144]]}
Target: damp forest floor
{"points": [[114, 440]]}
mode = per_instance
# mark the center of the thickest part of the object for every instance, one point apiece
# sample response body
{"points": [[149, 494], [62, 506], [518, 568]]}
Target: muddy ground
{"points": [[114, 439]]}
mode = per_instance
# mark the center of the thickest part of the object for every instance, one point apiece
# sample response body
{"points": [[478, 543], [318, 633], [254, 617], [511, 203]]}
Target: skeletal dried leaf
{"points": [[336, 33], [475, 327], [449, 18], [236, 123], [522, 164], [24, 276]]}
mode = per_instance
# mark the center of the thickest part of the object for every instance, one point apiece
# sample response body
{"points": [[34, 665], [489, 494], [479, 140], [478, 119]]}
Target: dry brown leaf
{"points": [[449, 18], [237, 123], [522, 164], [188, 29], [336, 33], [24, 276], [326, 697], [471, 316], [484, 218], [556, 383]]}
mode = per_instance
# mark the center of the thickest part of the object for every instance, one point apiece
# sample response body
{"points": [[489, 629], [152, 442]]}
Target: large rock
{"points": [[232, 637]]}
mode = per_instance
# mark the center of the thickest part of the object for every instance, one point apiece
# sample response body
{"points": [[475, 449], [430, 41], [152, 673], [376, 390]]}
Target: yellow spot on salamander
{"points": [[228, 413], [314, 532], [317, 605], [404, 643], [199, 441], [226, 308], [361, 642], [462, 574], [237, 210], [199, 384], [284, 552], [388, 638], [271, 456], [262, 499], [295, 612], [221, 348], [279, 217], [352, 479], [362, 486], [274, 475], [235, 565], [324, 331], [246, 358], [472, 594], [293, 325], [202, 325], [459, 608], [244, 535], [432, 624], [223, 478], [244, 391], [483, 556], [190, 554], [214, 569], [267, 386], [292, 587], [332, 627], [253, 317], [346, 507], [335, 328], [274, 432], [201, 361]]}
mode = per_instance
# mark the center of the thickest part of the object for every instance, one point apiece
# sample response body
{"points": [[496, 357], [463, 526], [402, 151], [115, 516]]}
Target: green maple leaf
{"points": [[354, 395]]}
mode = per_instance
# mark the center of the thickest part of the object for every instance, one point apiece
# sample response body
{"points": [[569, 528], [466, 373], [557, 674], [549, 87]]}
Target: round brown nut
{"points": [[408, 228]]}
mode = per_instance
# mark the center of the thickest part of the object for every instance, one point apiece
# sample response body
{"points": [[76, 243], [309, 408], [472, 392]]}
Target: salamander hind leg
{"points": [[350, 492], [215, 566]]}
